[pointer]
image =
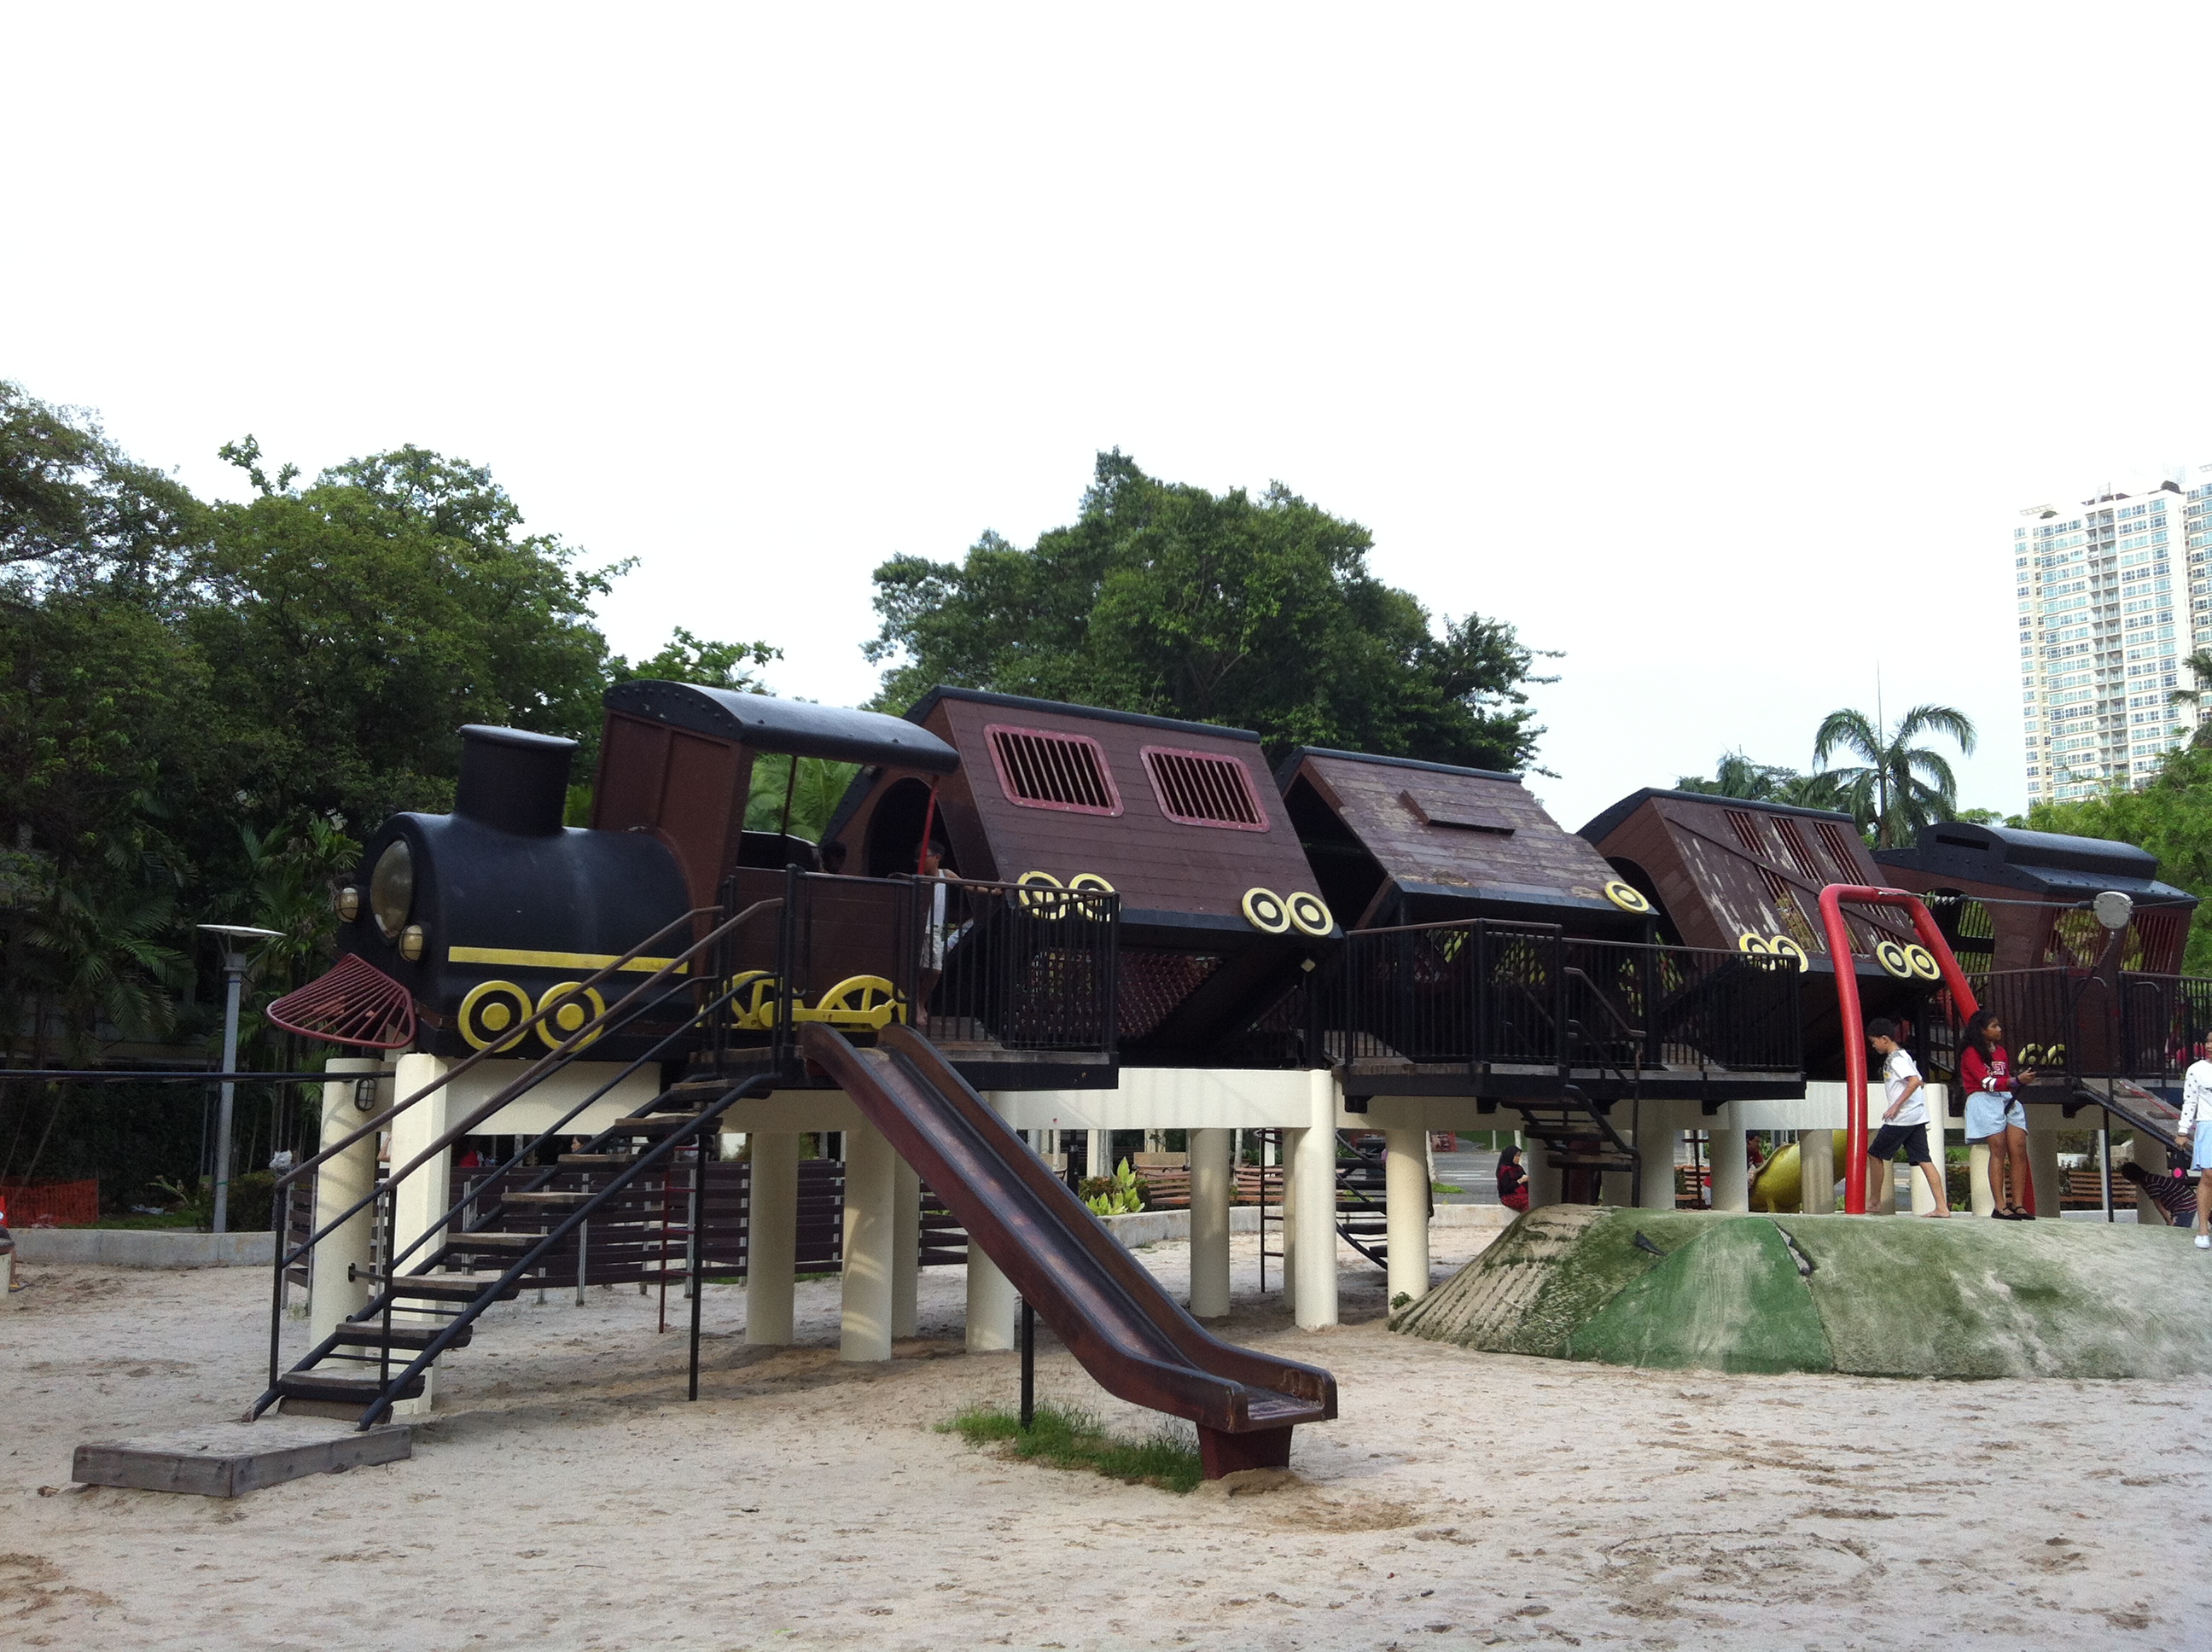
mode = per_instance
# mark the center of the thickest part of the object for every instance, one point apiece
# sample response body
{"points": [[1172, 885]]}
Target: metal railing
{"points": [[2084, 1024], [1489, 993]]}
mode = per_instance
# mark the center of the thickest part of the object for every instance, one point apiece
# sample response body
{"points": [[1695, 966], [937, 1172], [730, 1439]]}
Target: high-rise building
{"points": [[2113, 596]]}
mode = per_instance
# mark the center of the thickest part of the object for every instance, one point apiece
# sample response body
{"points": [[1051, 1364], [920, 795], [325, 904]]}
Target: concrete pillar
{"points": [[2043, 1166], [991, 1295], [1315, 1167], [1097, 1152], [864, 1323], [772, 1239], [1544, 1181], [1731, 1165], [1291, 1142], [331, 1296], [1939, 1120], [1211, 1183], [1978, 1193], [1816, 1172], [422, 1197], [1656, 1149], [906, 1247], [1406, 1191]]}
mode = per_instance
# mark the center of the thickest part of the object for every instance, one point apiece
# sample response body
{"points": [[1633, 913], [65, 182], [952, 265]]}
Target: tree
{"points": [[1898, 787], [688, 658], [1258, 613], [1735, 775], [74, 507], [2196, 694]]}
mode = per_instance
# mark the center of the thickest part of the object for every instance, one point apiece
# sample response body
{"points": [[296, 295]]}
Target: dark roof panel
{"points": [[1604, 825], [928, 703], [768, 724]]}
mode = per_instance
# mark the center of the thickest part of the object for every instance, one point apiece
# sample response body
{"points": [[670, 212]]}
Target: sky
{"points": [[1717, 348]]}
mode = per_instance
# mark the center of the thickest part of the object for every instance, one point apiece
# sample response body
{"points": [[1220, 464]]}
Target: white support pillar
{"points": [[1315, 1170], [772, 1239], [1816, 1172], [1097, 1153], [338, 1275], [1211, 1183], [906, 1247], [422, 1197], [871, 1193], [1979, 1197], [991, 1295], [1405, 1195], [1731, 1163], [1654, 1177], [1292, 1142], [1544, 1180], [2043, 1167]]}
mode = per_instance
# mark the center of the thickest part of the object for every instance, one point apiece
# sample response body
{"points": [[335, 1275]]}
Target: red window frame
{"points": [[991, 738], [1251, 792]]}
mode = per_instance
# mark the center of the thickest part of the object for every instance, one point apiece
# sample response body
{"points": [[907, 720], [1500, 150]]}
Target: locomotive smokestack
{"points": [[513, 780]]}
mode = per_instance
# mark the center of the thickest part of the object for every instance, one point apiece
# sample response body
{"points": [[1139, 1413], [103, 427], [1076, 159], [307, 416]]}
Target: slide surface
{"points": [[1136, 1341]]}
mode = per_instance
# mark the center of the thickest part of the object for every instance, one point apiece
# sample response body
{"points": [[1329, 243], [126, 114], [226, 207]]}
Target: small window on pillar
{"points": [[1041, 769], [1203, 788]]}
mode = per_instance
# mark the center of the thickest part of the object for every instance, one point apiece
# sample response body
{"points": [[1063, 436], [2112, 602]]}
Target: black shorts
{"points": [[1912, 1138]]}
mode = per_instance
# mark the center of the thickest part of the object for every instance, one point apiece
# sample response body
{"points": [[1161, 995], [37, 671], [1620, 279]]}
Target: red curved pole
{"points": [[1847, 998]]}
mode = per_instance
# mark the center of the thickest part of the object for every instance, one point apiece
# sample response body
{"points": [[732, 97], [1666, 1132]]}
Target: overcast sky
{"points": [[1717, 348]]}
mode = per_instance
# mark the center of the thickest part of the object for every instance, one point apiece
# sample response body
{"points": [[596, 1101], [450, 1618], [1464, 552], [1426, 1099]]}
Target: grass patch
{"points": [[1064, 1437]]}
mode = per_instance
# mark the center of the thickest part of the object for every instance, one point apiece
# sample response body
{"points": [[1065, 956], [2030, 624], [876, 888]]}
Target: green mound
{"points": [[1882, 1295]]}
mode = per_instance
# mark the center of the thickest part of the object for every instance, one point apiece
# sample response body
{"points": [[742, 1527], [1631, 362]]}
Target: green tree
{"points": [[2196, 694], [2172, 817], [1736, 775], [1897, 787], [688, 658], [74, 507], [1258, 613]]}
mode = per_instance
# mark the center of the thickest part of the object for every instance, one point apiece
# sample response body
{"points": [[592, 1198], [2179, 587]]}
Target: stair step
{"points": [[573, 1197], [663, 1124], [341, 1390], [370, 1335], [469, 1242], [1589, 1162], [422, 1288], [599, 1158]]}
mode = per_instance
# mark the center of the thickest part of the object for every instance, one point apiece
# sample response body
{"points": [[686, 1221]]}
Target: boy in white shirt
{"points": [[2197, 1135], [1905, 1122]]}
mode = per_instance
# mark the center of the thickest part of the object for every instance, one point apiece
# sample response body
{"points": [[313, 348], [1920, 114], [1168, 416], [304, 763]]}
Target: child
{"points": [[2197, 1134], [1905, 1122], [1995, 1118]]}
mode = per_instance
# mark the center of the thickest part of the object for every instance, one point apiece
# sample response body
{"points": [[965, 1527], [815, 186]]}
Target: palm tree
{"points": [[1898, 787], [2199, 692]]}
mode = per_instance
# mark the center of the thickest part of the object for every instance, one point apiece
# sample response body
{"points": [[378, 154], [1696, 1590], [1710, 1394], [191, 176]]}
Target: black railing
{"points": [[2081, 1024], [1501, 994]]}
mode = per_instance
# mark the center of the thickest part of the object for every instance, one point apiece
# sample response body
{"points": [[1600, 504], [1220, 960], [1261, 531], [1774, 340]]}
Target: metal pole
{"points": [[1028, 1364], [233, 976], [2105, 1165], [698, 1245]]}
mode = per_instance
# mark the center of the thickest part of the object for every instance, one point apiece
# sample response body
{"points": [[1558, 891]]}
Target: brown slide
{"points": [[1136, 1341]]}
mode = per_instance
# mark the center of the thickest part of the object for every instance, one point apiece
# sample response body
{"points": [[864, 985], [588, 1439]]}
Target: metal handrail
{"points": [[468, 1061]]}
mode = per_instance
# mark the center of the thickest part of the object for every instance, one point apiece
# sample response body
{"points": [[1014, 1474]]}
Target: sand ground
{"points": [[567, 1496]]}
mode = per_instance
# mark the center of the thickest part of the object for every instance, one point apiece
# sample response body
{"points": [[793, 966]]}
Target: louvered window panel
{"points": [[1839, 851], [1746, 830], [1201, 788], [1800, 857], [1040, 768]]}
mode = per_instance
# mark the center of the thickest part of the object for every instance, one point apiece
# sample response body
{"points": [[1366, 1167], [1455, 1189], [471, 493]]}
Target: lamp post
{"points": [[234, 978]]}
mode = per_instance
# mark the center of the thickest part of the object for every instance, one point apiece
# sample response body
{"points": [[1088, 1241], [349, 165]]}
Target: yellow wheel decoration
{"points": [[1756, 944], [1627, 896], [1891, 957], [578, 1005], [1785, 946], [1311, 914], [2054, 1056], [2031, 1055], [752, 1006], [1265, 911], [1924, 963], [491, 1013], [1091, 883], [1039, 894], [857, 1001]]}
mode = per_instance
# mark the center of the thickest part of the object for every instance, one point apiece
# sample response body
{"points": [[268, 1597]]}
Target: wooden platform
{"points": [[229, 1460]]}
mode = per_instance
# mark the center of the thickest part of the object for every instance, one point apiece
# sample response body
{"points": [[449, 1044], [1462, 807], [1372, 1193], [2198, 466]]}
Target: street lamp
{"points": [[234, 976]]}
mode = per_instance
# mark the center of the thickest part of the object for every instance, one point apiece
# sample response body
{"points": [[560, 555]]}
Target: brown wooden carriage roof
{"points": [[1721, 868], [1442, 838], [1147, 832]]}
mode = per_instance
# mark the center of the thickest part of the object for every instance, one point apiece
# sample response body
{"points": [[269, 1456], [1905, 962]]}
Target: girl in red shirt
{"points": [[1995, 1117]]}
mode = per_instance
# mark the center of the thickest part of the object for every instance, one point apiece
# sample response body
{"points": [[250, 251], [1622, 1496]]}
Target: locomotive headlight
{"points": [[392, 888], [411, 943], [349, 904]]}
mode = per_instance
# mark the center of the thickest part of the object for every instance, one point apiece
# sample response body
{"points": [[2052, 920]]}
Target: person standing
{"points": [[2197, 1136], [1995, 1118], [1905, 1120]]}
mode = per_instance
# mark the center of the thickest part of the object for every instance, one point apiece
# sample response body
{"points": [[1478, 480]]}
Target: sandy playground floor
{"points": [[567, 1496]]}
